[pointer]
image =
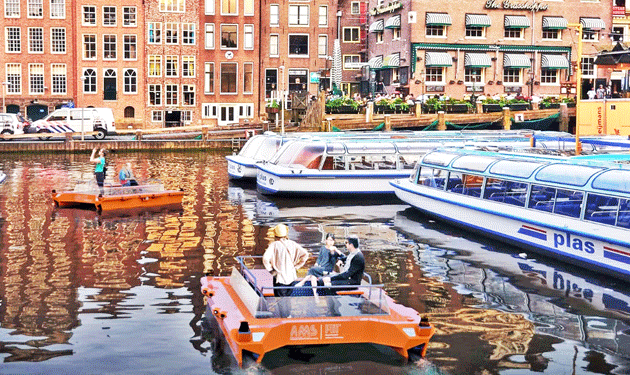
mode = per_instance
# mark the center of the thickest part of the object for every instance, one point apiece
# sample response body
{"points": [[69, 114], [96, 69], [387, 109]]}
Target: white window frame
{"points": [[482, 36], [12, 8], [556, 77], [157, 116], [209, 7], [323, 37], [171, 101], [189, 88], [135, 43], [84, 11], [274, 46], [157, 28], [31, 73], [308, 49], [17, 42], [58, 6], [225, 13], [351, 28], [274, 15], [352, 57], [95, 44], [57, 79], [428, 73], [248, 37], [358, 5], [297, 18], [91, 80], [249, 4], [13, 75], [109, 19], [134, 84], [35, 6], [128, 10], [221, 36], [35, 42], [151, 89], [221, 78], [190, 29], [558, 36], [53, 40], [396, 34], [158, 61], [322, 20], [209, 36], [517, 83], [173, 60], [173, 27], [173, 6], [207, 73], [189, 61], [115, 47], [586, 62], [246, 92]]}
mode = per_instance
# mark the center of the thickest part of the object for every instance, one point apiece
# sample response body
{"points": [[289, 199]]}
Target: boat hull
{"points": [[118, 202], [240, 168], [592, 246]]}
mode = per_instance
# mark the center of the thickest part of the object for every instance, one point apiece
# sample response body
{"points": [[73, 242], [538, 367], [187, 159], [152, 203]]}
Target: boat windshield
{"points": [[335, 148], [301, 153], [515, 168], [441, 159], [567, 174], [473, 162], [252, 145], [268, 148], [613, 180]]}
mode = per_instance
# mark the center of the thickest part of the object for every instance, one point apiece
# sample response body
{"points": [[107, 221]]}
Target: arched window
{"points": [[89, 81], [130, 112], [131, 81], [109, 85]]}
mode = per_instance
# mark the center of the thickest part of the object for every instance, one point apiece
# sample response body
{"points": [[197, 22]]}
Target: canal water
{"points": [[89, 293]]}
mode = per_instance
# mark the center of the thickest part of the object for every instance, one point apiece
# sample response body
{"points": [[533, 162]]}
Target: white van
{"points": [[12, 123], [64, 120]]}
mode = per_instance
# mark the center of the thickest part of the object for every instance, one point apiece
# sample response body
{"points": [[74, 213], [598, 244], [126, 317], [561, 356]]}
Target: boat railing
{"points": [[90, 187]]}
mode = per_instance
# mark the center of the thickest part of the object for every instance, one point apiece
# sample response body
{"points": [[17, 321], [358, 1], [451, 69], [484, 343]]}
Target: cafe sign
{"points": [[386, 8], [534, 6]]}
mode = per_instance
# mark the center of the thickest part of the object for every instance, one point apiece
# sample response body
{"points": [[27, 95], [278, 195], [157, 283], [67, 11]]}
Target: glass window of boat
{"points": [[559, 201], [372, 162], [309, 156], [613, 180], [505, 191], [408, 161], [603, 209], [566, 174], [334, 163], [432, 177], [252, 145], [515, 168], [335, 148], [440, 159], [286, 153], [463, 183], [473, 162], [268, 148], [541, 198], [370, 148], [623, 219]]}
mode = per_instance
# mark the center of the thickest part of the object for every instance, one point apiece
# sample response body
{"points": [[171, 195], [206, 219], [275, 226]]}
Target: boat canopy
{"points": [[515, 168], [370, 147], [567, 174], [614, 180], [473, 163], [440, 159]]}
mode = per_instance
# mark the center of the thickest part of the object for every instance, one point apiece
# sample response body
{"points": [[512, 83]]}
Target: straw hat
{"points": [[280, 231]]}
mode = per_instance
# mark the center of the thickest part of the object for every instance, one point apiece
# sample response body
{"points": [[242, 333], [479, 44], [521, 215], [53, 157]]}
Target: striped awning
{"points": [[391, 61], [393, 22], [438, 59], [516, 60], [592, 23], [377, 26], [478, 20], [439, 19], [554, 23], [376, 62], [554, 62], [516, 22], [477, 60]]}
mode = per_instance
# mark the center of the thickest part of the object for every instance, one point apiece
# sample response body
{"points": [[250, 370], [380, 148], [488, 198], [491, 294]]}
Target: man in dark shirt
{"points": [[352, 273]]}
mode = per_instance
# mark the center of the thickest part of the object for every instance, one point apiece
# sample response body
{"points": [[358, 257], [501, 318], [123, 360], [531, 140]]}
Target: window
{"points": [[322, 46], [248, 40], [130, 47], [186, 117], [188, 66], [229, 7], [188, 33], [130, 16], [209, 39], [271, 81], [188, 92], [12, 8], [588, 66], [14, 77], [248, 78], [355, 7], [110, 85], [274, 15], [513, 33], [436, 30], [58, 40], [379, 37], [130, 112], [59, 76], [590, 35], [432, 177], [511, 75], [475, 31], [155, 66], [351, 62], [273, 45], [466, 184], [617, 34], [35, 40], [171, 94], [89, 47], [473, 75], [435, 75], [510, 192], [208, 74], [248, 7], [548, 76], [172, 6], [109, 47], [323, 16], [36, 9], [552, 34], [171, 31], [298, 15], [171, 66], [298, 45], [395, 34], [209, 110], [89, 15], [156, 116], [109, 16], [603, 209], [209, 7], [155, 33], [155, 95], [12, 35], [228, 78], [130, 81], [89, 82], [58, 9], [229, 36], [35, 79], [351, 34]]}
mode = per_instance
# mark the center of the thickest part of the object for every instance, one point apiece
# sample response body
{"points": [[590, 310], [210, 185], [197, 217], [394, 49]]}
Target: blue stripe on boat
{"points": [[616, 255], [532, 233]]}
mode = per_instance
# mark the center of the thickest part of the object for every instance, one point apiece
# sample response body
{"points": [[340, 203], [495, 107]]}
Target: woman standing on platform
{"points": [[99, 169]]}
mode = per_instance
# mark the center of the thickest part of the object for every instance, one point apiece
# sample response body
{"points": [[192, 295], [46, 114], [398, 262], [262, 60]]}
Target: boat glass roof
{"points": [[515, 168], [473, 162], [285, 154], [613, 180], [440, 159], [335, 148], [416, 147], [567, 174], [370, 148], [252, 145], [268, 148]]}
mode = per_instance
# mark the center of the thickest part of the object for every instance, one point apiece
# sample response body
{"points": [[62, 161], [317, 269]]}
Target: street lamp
{"points": [[82, 78], [282, 102], [4, 89], [578, 86]]}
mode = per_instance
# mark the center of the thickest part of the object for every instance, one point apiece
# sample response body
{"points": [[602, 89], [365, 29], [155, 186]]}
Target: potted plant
{"points": [[383, 106], [518, 104], [272, 106], [570, 102], [432, 105], [549, 102], [492, 105], [458, 106], [398, 105]]}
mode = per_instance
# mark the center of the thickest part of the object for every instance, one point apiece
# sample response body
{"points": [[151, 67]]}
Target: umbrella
{"points": [[336, 66]]}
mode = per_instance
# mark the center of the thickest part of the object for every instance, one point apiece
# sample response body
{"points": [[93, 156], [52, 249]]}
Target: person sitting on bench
{"points": [[352, 272]]}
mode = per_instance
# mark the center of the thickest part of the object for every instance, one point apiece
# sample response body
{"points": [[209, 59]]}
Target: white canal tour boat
{"points": [[363, 166], [575, 210], [3, 177]]}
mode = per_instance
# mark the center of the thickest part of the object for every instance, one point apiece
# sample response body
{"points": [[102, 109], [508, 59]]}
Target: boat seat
{"points": [[263, 282]]}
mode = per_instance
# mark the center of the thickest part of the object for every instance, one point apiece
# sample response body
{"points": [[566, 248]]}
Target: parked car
{"points": [[13, 123], [71, 120]]}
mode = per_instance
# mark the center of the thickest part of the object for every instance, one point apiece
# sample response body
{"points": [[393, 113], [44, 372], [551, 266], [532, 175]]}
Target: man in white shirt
{"points": [[282, 258]]}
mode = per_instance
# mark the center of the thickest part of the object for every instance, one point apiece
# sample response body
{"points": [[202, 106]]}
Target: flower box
{"points": [[457, 108], [544, 105], [492, 108], [518, 106], [272, 109]]}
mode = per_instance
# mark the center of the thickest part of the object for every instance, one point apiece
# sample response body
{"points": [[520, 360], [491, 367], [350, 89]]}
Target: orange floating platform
{"points": [[118, 197], [253, 320]]}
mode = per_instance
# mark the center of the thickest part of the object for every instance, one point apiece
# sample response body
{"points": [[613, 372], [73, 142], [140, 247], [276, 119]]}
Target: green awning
{"points": [[477, 60], [554, 23], [439, 19], [376, 62], [393, 22], [516, 22], [592, 23], [391, 61], [377, 26], [438, 59], [516, 60], [554, 62], [478, 20]]}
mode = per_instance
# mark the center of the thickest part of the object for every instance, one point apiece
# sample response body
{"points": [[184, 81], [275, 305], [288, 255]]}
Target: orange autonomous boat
{"points": [[252, 320], [117, 197]]}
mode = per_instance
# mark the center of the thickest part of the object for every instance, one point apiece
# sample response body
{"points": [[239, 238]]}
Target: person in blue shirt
{"points": [[328, 256], [99, 169], [126, 176]]}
